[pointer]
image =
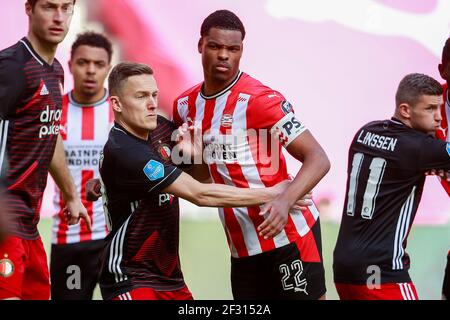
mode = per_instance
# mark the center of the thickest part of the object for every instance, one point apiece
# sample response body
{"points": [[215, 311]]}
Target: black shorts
{"points": [[446, 285], [279, 274], [75, 269]]}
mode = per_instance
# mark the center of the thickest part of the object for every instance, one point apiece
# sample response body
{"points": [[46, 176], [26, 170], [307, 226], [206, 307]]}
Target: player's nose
{"points": [[58, 16], [91, 68], [152, 104], [223, 54]]}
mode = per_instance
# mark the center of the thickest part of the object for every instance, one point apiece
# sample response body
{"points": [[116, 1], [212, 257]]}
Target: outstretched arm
{"points": [[218, 195]]}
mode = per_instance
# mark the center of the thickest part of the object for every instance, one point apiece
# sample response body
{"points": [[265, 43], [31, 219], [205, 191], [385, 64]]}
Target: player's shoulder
{"points": [[393, 127], [163, 122], [12, 58], [188, 92], [125, 148], [408, 140], [57, 67], [120, 139], [258, 91]]}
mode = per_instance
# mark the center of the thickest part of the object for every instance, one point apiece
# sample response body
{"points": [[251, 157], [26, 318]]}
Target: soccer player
{"points": [[86, 120], [442, 133], [140, 186], [31, 81], [386, 173], [277, 256]]}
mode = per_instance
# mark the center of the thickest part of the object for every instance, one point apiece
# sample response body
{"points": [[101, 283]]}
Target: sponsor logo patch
{"points": [[6, 268], [154, 170], [286, 107], [448, 148], [44, 91], [165, 197]]}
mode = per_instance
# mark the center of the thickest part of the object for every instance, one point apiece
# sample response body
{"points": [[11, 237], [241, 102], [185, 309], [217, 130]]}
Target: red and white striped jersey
{"points": [[84, 130], [239, 152], [445, 124]]}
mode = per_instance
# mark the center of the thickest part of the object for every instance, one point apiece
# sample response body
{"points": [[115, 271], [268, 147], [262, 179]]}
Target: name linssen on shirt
{"points": [[377, 141]]}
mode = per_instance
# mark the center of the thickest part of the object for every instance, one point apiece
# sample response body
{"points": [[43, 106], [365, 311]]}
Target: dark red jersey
{"points": [[30, 113], [386, 173], [142, 247]]}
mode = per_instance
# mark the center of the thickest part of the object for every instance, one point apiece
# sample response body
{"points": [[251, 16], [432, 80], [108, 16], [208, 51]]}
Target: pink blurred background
{"points": [[338, 62]]}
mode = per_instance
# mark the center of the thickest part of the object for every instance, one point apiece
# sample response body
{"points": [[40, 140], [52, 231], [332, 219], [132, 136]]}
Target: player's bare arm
{"points": [[316, 164], [218, 195], [63, 179]]}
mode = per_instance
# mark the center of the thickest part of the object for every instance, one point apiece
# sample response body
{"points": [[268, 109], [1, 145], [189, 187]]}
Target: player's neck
{"points": [[141, 134], [402, 119], [46, 51], [212, 86], [80, 98]]}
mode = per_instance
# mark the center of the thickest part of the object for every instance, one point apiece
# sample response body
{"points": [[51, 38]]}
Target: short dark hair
{"points": [[32, 3], [446, 52], [93, 39], [222, 19], [123, 71], [415, 85]]}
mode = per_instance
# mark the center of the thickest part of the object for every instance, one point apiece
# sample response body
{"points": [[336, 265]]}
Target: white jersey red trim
{"points": [[84, 130], [235, 125]]}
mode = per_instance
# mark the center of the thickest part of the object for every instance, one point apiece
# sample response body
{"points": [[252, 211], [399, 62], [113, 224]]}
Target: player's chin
{"points": [[151, 123], [222, 75], [55, 40]]}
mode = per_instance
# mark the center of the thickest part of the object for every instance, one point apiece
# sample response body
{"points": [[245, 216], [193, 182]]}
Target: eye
{"points": [[68, 8]]}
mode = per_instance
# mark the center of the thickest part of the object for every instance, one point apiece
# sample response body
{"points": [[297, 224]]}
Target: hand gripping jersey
{"points": [[84, 130], [236, 125], [30, 114], [386, 173], [142, 247]]}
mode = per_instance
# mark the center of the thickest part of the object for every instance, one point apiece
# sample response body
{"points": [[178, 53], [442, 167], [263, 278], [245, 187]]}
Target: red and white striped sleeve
{"points": [[270, 110]]}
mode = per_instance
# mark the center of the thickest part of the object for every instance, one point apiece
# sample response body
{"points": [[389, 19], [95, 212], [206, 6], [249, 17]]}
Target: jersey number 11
{"points": [[376, 168]]}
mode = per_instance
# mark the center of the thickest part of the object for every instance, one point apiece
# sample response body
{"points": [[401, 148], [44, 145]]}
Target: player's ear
{"points": [[69, 63], [441, 69], [200, 44], [28, 9], [405, 110], [116, 105], [442, 72]]}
